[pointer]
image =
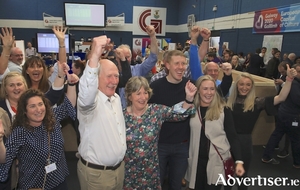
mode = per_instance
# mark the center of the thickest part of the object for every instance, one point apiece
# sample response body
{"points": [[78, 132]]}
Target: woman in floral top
{"points": [[143, 123]]}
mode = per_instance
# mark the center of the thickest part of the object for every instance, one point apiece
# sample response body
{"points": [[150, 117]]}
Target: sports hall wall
{"points": [[230, 20]]}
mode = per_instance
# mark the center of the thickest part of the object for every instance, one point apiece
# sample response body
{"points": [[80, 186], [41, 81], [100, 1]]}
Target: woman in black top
{"points": [[246, 107]]}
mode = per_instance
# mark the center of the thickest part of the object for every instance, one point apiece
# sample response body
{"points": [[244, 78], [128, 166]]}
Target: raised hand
{"points": [[7, 37], [291, 72], [72, 78], [59, 32], [150, 30], [120, 54], [205, 33], [62, 68], [190, 91], [194, 34], [98, 46], [227, 68]]}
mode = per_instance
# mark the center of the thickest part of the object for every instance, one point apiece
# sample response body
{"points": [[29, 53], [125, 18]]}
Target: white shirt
{"points": [[30, 52], [101, 122]]}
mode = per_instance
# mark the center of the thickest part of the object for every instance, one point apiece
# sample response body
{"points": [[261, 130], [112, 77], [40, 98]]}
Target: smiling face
{"points": [[277, 55], [35, 111], [139, 99], [176, 66], [35, 71], [108, 78], [14, 88], [16, 55], [244, 86], [212, 69], [207, 92]]}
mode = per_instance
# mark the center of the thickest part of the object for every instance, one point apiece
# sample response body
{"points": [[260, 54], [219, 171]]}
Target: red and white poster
{"points": [[143, 16]]}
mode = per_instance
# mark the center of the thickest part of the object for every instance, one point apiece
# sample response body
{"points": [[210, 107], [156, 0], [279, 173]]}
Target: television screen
{"points": [[48, 43], [83, 14]]}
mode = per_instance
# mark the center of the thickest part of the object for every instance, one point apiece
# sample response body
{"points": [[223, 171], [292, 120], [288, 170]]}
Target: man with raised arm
{"points": [[101, 123]]}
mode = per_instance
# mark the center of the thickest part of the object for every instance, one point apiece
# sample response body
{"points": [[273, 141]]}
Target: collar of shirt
{"points": [[104, 98]]}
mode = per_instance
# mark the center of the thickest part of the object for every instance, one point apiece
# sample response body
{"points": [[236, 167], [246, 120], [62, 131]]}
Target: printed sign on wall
{"points": [[276, 20], [143, 16]]}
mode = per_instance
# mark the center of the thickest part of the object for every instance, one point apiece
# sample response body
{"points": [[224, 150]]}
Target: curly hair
{"points": [[39, 62], [21, 118]]}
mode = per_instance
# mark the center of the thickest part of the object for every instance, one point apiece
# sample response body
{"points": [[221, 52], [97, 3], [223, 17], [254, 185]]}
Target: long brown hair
{"points": [[43, 83], [21, 118]]}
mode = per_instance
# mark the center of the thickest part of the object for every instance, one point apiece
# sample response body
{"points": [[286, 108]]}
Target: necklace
{"points": [[139, 114]]}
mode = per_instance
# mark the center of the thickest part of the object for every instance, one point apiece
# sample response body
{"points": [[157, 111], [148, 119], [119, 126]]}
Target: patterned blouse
{"points": [[142, 133], [31, 149]]}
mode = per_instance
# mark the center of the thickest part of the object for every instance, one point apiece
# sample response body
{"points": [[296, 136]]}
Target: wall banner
{"points": [[276, 20], [143, 16]]}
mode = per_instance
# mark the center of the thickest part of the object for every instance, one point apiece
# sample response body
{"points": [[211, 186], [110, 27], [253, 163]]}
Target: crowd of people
{"points": [[136, 134]]}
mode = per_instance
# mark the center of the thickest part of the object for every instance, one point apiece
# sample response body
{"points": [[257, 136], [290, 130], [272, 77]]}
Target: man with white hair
{"points": [[123, 51], [291, 58], [15, 59]]}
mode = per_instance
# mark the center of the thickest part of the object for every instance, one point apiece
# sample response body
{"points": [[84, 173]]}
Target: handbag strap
{"points": [[203, 126], [47, 161]]}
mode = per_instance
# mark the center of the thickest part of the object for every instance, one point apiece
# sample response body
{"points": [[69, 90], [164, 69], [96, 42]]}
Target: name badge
{"points": [[50, 168], [295, 124]]}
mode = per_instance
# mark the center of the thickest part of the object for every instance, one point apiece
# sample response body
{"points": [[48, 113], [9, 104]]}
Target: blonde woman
{"points": [[211, 126], [245, 106], [235, 63]]}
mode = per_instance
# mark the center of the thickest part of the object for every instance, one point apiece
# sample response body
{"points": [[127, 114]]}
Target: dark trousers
{"points": [[247, 152], [62, 186], [173, 163], [284, 125], [287, 143], [201, 177]]}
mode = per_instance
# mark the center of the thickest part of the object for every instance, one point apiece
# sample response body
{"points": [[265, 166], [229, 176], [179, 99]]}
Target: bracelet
{"points": [[72, 84], [206, 40], [239, 162], [189, 102], [62, 46], [289, 79]]}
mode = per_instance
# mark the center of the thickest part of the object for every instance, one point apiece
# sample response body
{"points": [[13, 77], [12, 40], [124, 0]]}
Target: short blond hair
{"points": [[9, 75]]}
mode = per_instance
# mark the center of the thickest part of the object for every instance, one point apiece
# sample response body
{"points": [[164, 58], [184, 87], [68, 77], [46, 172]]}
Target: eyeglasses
{"points": [[18, 55]]}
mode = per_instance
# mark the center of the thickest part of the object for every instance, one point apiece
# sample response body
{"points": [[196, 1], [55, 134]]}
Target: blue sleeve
{"points": [[195, 65], [144, 68]]}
